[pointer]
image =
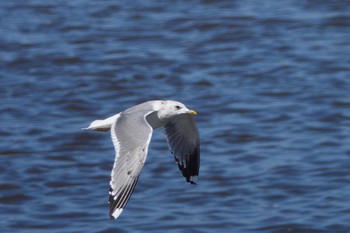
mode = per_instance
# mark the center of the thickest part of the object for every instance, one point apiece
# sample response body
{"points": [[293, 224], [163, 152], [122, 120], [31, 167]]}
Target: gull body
{"points": [[131, 132]]}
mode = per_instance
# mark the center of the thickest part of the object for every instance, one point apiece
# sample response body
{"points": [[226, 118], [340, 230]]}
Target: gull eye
{"points": [[177, 107]]}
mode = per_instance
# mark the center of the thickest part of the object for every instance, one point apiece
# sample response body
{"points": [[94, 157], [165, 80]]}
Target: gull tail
{"points": [[103, 125]]}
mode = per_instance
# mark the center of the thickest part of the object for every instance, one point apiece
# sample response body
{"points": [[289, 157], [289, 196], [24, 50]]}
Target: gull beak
{"points": [[192, 112]]}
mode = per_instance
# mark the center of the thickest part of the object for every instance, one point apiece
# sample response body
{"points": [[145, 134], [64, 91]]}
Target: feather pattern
{"points": [[183, 139]]}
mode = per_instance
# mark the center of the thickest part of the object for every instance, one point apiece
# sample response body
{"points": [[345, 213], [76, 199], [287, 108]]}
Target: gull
{"points": [[131, 132]]}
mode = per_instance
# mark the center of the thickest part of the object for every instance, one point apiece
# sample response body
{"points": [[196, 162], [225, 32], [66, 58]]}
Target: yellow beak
{"points": [[192, 112]]}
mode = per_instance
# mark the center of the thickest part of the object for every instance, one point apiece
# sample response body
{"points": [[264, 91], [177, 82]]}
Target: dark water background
{"points": [[271, 83]]}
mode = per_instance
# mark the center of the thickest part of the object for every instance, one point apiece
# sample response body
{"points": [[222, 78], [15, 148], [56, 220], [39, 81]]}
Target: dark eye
{"points": [[177, 107]]}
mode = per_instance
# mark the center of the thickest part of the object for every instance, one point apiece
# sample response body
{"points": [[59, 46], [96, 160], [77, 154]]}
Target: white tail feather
{"points": [[103, 125]]}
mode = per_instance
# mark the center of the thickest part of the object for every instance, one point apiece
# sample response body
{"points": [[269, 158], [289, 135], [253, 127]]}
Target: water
{"points": [[269, 79]]}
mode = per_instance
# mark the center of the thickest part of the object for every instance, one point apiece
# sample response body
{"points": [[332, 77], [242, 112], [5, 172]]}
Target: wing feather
{"points": [[183, 139], [131, 137]]}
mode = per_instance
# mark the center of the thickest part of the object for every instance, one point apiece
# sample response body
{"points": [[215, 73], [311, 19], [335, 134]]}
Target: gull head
{"points": [[170, 108]]}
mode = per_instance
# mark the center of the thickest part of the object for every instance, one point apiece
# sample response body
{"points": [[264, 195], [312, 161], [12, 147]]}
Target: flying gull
{"points": [[131, 132]]}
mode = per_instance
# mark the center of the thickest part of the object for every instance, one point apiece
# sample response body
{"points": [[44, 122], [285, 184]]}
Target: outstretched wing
{"points": [[131, 137], [183, 139]]}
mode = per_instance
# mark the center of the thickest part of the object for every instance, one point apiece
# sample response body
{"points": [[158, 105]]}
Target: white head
{"points": [[169, 108]]}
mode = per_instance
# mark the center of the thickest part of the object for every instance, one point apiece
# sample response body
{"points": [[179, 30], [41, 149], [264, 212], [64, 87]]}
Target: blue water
{"points": [[269, 79]]}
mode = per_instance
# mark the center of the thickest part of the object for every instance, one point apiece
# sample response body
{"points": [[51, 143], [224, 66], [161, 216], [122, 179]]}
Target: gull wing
{"points": [[131, 137], [183, 139]]}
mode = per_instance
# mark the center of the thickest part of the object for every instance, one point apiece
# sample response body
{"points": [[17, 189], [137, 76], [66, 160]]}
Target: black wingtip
{"points": [[188, 179], [117, 203], [191, 170]]}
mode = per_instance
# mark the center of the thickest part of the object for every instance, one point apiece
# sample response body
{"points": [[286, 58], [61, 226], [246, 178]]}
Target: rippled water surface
{"points": [[271, 83]]}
